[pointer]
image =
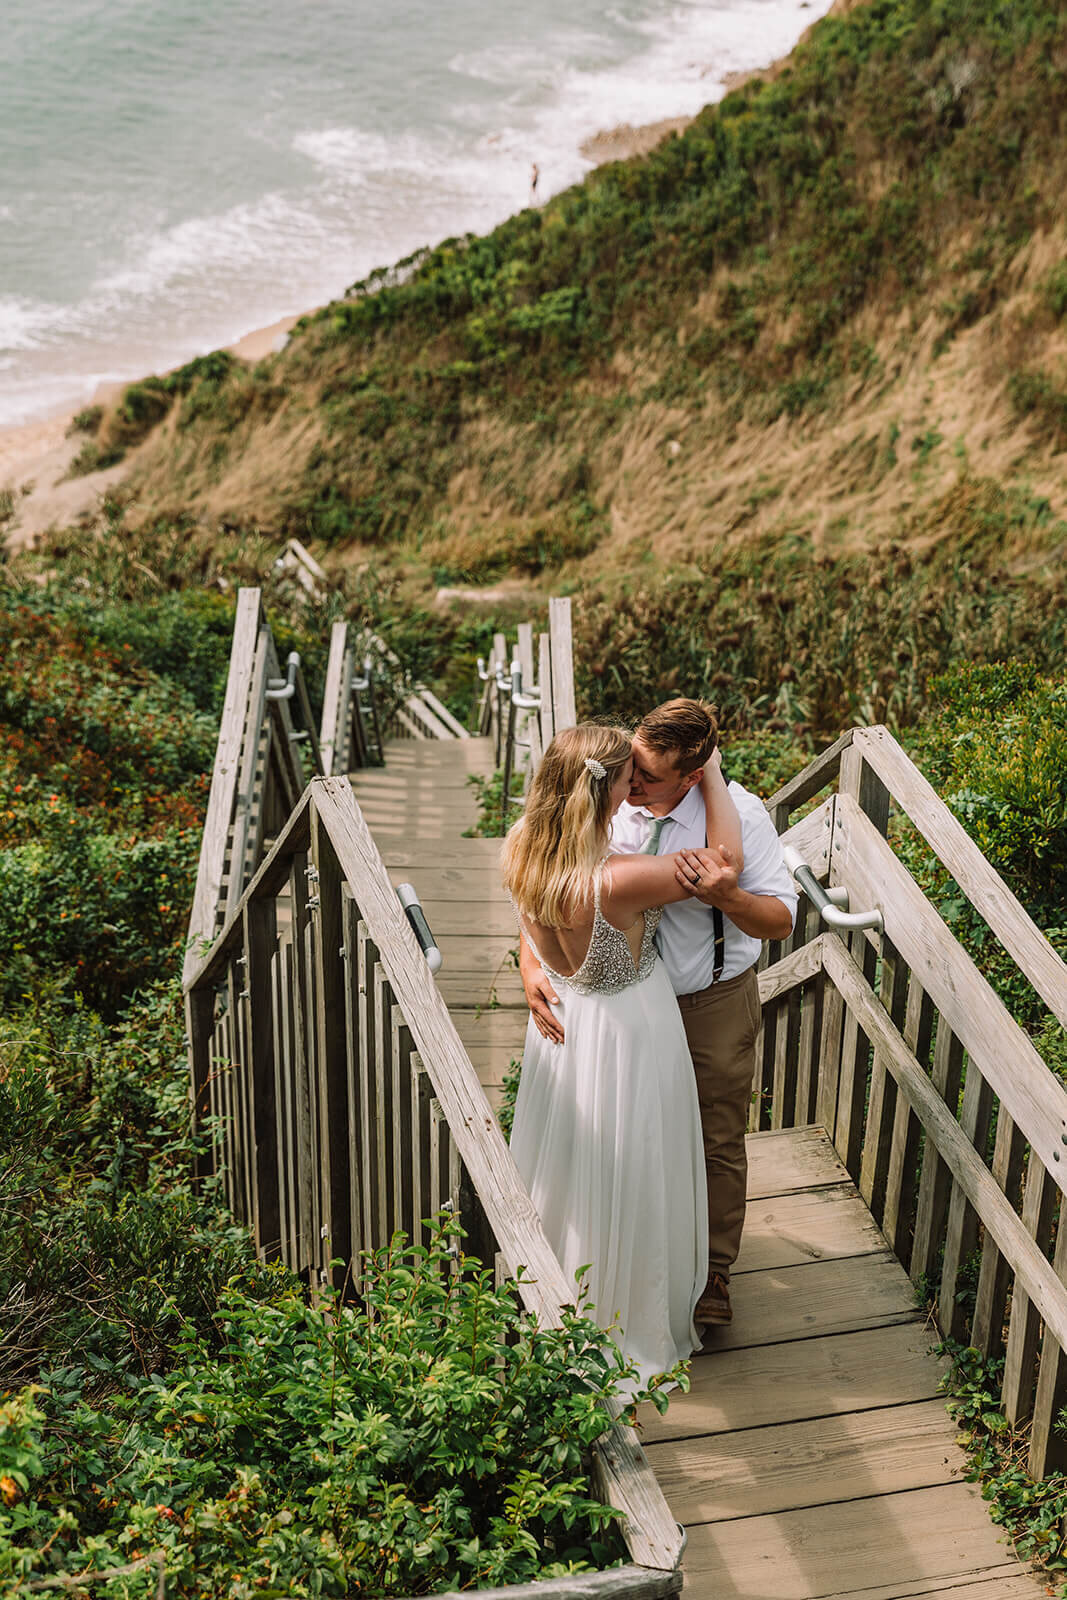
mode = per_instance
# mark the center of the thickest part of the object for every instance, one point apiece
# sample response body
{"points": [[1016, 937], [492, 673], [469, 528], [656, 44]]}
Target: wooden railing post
{"points": [[260, 937], [334, 1143]]}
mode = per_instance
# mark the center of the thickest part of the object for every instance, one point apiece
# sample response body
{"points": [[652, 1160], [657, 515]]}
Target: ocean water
{"points": [[175, 173]]}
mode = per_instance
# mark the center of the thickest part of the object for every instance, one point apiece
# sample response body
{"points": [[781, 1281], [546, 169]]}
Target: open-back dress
{"points": [[607, 1136]]}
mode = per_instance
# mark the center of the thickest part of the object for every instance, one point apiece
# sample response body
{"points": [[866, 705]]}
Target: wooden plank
{"points": [[807, 783], [442, 713], [959, 854], [806, 1302], [800, 966], [622, 1474], [199, 1026], [799, 1158], [272, 874], [1033, 1272], [803, 1464], [1034, 1099], [812, 1225], [862, 1545], [822, 1377], [559, 631], [246, 800], [207, 894], [331, 698]]}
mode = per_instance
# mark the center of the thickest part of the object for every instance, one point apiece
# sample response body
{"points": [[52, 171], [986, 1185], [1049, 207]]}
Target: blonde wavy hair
{"points": [[551, 853]]}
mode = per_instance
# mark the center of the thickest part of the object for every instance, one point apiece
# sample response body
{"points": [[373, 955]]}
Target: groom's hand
{"points": [[539, 992], [709, 875], [540, 995]]}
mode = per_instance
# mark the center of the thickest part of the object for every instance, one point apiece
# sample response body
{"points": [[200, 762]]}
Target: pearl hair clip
{"points": [[597, 768]]}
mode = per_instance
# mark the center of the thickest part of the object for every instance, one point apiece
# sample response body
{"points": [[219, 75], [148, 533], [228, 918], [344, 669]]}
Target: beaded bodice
{"points": [[608, 965]]}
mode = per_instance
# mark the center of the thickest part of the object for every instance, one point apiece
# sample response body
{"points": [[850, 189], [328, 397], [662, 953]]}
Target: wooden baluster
{"points": [[373, 1220], [260, 941], [830, 1042], [199, 1031], [882, 1101], [304, 1077], [403, 1216], [559, 627], [853, 1074], [786, 1051], [961, 1234], [383, 1098], [421, 1192], [285, 1101], [765, 1058], [353, 1079], [994, 1278], [1039, 1204], [898, 1220], [331, 1055], [241, 1147], [1048, 1447], [810, 1000], [544, 680], [931, 1212], [438, 1168]]}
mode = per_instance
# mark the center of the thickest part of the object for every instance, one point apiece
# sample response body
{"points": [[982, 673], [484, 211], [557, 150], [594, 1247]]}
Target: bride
{"points": [[606, 1131]]}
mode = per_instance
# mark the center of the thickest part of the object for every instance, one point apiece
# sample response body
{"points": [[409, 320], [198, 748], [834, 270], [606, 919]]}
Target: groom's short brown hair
{"points": [[684, 731]]}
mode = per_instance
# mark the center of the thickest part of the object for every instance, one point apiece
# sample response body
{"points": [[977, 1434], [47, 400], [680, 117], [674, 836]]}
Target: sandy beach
{"points": [[35, 457]]}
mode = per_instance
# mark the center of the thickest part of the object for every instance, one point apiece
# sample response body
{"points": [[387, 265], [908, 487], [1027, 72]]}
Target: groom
{"points": [[709, 944]]}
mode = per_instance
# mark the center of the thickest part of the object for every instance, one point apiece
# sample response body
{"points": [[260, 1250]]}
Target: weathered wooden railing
{"points": [[343, 1105], [259, 772], [525, 704], [937, 1101]]}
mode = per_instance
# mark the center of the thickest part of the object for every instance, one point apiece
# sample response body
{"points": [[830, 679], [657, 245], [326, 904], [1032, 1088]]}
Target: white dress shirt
{"points": [[686, 936]]}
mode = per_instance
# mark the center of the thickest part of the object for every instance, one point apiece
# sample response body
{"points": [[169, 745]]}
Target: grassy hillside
{"points": [[787, 396]]}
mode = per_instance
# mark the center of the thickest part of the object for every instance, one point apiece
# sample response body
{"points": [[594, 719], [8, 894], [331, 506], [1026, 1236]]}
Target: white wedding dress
{"points": [[607, 1136]]}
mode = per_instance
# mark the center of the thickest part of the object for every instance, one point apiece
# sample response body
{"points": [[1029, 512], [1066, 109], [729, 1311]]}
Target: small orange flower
{"points": [[10, 1490]]}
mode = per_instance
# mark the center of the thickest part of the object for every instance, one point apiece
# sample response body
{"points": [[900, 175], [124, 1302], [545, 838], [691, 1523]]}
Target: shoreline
{"points": [[35, 456]]}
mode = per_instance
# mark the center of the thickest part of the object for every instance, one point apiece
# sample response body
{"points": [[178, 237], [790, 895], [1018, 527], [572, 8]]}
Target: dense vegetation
{"points": [[784, 397], [168, 1405], [785, 402]]}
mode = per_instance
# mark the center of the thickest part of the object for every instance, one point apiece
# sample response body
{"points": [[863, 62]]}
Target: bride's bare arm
{"points": [[722, 823], [633, 884]]}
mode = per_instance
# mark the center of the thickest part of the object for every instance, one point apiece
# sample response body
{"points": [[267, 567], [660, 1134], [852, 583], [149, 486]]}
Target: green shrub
{"points": [[430, 1436]]}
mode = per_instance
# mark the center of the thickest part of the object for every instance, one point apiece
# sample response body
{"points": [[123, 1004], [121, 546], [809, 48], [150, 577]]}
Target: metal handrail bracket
{"points": [[831, 904]]}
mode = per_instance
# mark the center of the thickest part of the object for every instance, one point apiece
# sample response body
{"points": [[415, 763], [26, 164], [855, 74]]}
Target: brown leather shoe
{"points": [[714, 1304]]}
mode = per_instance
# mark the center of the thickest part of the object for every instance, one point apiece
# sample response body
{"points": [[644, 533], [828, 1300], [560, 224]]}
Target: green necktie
{"points": [[651, 844]]}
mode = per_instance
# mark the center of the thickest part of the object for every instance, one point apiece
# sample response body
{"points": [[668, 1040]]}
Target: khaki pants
{"points": [[721, 1024]]}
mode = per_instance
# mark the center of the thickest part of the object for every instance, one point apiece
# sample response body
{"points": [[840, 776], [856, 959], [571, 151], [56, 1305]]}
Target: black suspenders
{"points": [[720, 935]]}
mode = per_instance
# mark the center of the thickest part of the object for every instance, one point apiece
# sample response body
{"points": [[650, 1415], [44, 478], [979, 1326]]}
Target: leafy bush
{"points": [[430, 1436]]}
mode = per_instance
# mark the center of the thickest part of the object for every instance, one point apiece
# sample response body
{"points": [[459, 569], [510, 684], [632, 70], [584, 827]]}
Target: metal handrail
{"points": [[831, 904], [285, 688], [420, 927]]}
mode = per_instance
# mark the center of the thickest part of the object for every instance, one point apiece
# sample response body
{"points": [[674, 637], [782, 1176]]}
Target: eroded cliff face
{"points": [[824, 323]]}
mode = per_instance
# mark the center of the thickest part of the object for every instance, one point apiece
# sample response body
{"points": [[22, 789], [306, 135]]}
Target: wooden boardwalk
{"points": [[813, 1456]]}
